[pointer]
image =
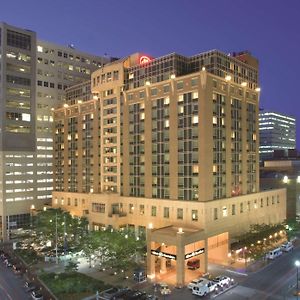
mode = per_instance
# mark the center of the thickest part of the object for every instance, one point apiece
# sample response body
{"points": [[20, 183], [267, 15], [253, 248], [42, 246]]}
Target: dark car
{"points": [[30, 286], [36, 295]]}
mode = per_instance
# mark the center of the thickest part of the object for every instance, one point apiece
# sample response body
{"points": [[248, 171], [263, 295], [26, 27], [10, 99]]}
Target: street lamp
{"points": [[297, 264], [32, 208]]}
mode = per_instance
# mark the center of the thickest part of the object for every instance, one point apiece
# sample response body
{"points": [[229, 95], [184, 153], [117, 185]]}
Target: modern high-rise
{"points": [[169, 144], [276, 132], [34, 75]]}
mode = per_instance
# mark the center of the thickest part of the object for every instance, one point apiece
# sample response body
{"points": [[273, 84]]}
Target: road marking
{"points": [[6, 292], [236, 272]]}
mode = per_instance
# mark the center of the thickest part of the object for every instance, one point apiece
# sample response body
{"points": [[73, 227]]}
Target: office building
{"points": [[283, 171], [276, 132], [169, 144], [34, 75]]}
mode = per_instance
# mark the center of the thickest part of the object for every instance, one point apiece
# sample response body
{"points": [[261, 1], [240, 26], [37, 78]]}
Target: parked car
{"points": [[36, 295], [274, 253], [222, 280], [197, 282], [164, 289], [204, 289], [193, 264], [287, 247], [30, 286]]}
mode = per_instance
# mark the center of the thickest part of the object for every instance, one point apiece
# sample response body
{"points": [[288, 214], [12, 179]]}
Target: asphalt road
{"points": [[11, 286]]}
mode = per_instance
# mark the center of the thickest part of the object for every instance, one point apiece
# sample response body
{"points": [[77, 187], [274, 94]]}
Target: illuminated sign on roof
{"points": [[144, 59]]}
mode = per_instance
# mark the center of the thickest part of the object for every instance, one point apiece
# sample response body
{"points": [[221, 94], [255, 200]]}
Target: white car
{"points": [[222, 280], [204, 289], [197, 281], [286, 247], [164, 289]]}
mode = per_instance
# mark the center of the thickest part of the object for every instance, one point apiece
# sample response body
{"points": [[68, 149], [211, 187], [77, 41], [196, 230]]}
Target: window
{"points": [[241, 207], [194, 81], [194, 215], [179, 85], [76, 203], [261, 202], [166, 212], [97, 207], [153, 211], [142, 94], [154, 92], [142, 209], [179, 214], [277, 198], [233, 209], [131, 208], [215, 214], [166, 88], [224, 211]]}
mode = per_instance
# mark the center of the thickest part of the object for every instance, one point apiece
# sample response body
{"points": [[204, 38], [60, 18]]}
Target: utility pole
{"points": [[56, 254], [65, 236]]}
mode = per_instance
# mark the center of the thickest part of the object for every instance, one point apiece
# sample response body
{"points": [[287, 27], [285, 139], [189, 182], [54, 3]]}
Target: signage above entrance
{"points": [[194, 253], [163, 254]]}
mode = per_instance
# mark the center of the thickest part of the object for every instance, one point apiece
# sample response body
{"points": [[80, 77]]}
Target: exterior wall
{"points": [[33, 79], [277, 132], [131, 213]]}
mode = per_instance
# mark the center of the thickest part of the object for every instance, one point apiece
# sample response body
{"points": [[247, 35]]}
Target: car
{"points": [[204, 289], [222, 280], [274, 254], [30, 286], [197, 281], [36, 295], [193, 264], [287, 247], [164, 289]]}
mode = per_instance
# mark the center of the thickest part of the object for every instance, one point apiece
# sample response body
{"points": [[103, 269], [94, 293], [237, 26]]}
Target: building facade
{"points": [[170, 144], [34, 75], [276, 132]]}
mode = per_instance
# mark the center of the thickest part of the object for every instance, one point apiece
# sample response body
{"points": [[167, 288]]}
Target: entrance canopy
{"points": [[170, 235]]}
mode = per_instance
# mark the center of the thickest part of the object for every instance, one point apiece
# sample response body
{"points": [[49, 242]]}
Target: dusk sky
{"points": [[269, 29]]}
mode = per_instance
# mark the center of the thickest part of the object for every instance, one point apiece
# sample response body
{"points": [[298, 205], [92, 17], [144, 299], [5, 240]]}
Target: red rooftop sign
{"points": [[144, 59]]}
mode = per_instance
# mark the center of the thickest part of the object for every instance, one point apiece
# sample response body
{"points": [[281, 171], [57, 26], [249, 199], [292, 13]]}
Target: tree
{"points": [[71, 267]]}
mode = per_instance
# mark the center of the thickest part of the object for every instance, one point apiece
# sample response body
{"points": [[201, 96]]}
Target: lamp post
{"points": [[56, 255], [297, 264], [32, 208]]}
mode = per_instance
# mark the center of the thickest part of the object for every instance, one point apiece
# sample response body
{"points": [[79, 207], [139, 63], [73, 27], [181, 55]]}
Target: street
{"points": [[11, 286]]}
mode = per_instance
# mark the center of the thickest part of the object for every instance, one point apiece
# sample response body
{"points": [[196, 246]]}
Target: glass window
{"points": [[166, 212], [233, 209], [131, 208], [153, 211], [215, 214], [194, 215], [142, 209], [179, 213]]}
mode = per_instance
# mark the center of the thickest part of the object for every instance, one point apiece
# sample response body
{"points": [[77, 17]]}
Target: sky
{"points": [[269, 29]]}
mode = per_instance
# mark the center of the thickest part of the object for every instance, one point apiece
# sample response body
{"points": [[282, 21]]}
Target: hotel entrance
{"points": [[179, 255]]}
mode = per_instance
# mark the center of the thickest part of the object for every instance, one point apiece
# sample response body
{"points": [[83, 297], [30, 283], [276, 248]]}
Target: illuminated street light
{"points": [[297, 264]]}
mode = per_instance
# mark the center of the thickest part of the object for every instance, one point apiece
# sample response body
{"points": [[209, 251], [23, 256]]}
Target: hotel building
{"points": [[33, 77], [169, 146], [277, 132]]}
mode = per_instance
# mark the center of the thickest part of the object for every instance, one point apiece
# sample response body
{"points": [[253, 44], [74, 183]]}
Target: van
{"points": [[204, 289], [193, 264], [274, 253]]}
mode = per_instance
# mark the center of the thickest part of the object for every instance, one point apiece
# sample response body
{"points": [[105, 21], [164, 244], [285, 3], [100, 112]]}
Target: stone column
{"points": [[204, 270], [180, 253], [150, 258], [163, 261]]}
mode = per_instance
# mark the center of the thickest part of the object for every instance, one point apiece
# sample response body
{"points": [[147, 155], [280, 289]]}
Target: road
{"points": [[11, 286]]}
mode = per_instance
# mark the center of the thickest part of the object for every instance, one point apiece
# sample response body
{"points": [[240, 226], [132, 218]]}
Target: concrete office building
{"points": [[283, 171], [168, 146], [34, 75], [277, 132]]}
